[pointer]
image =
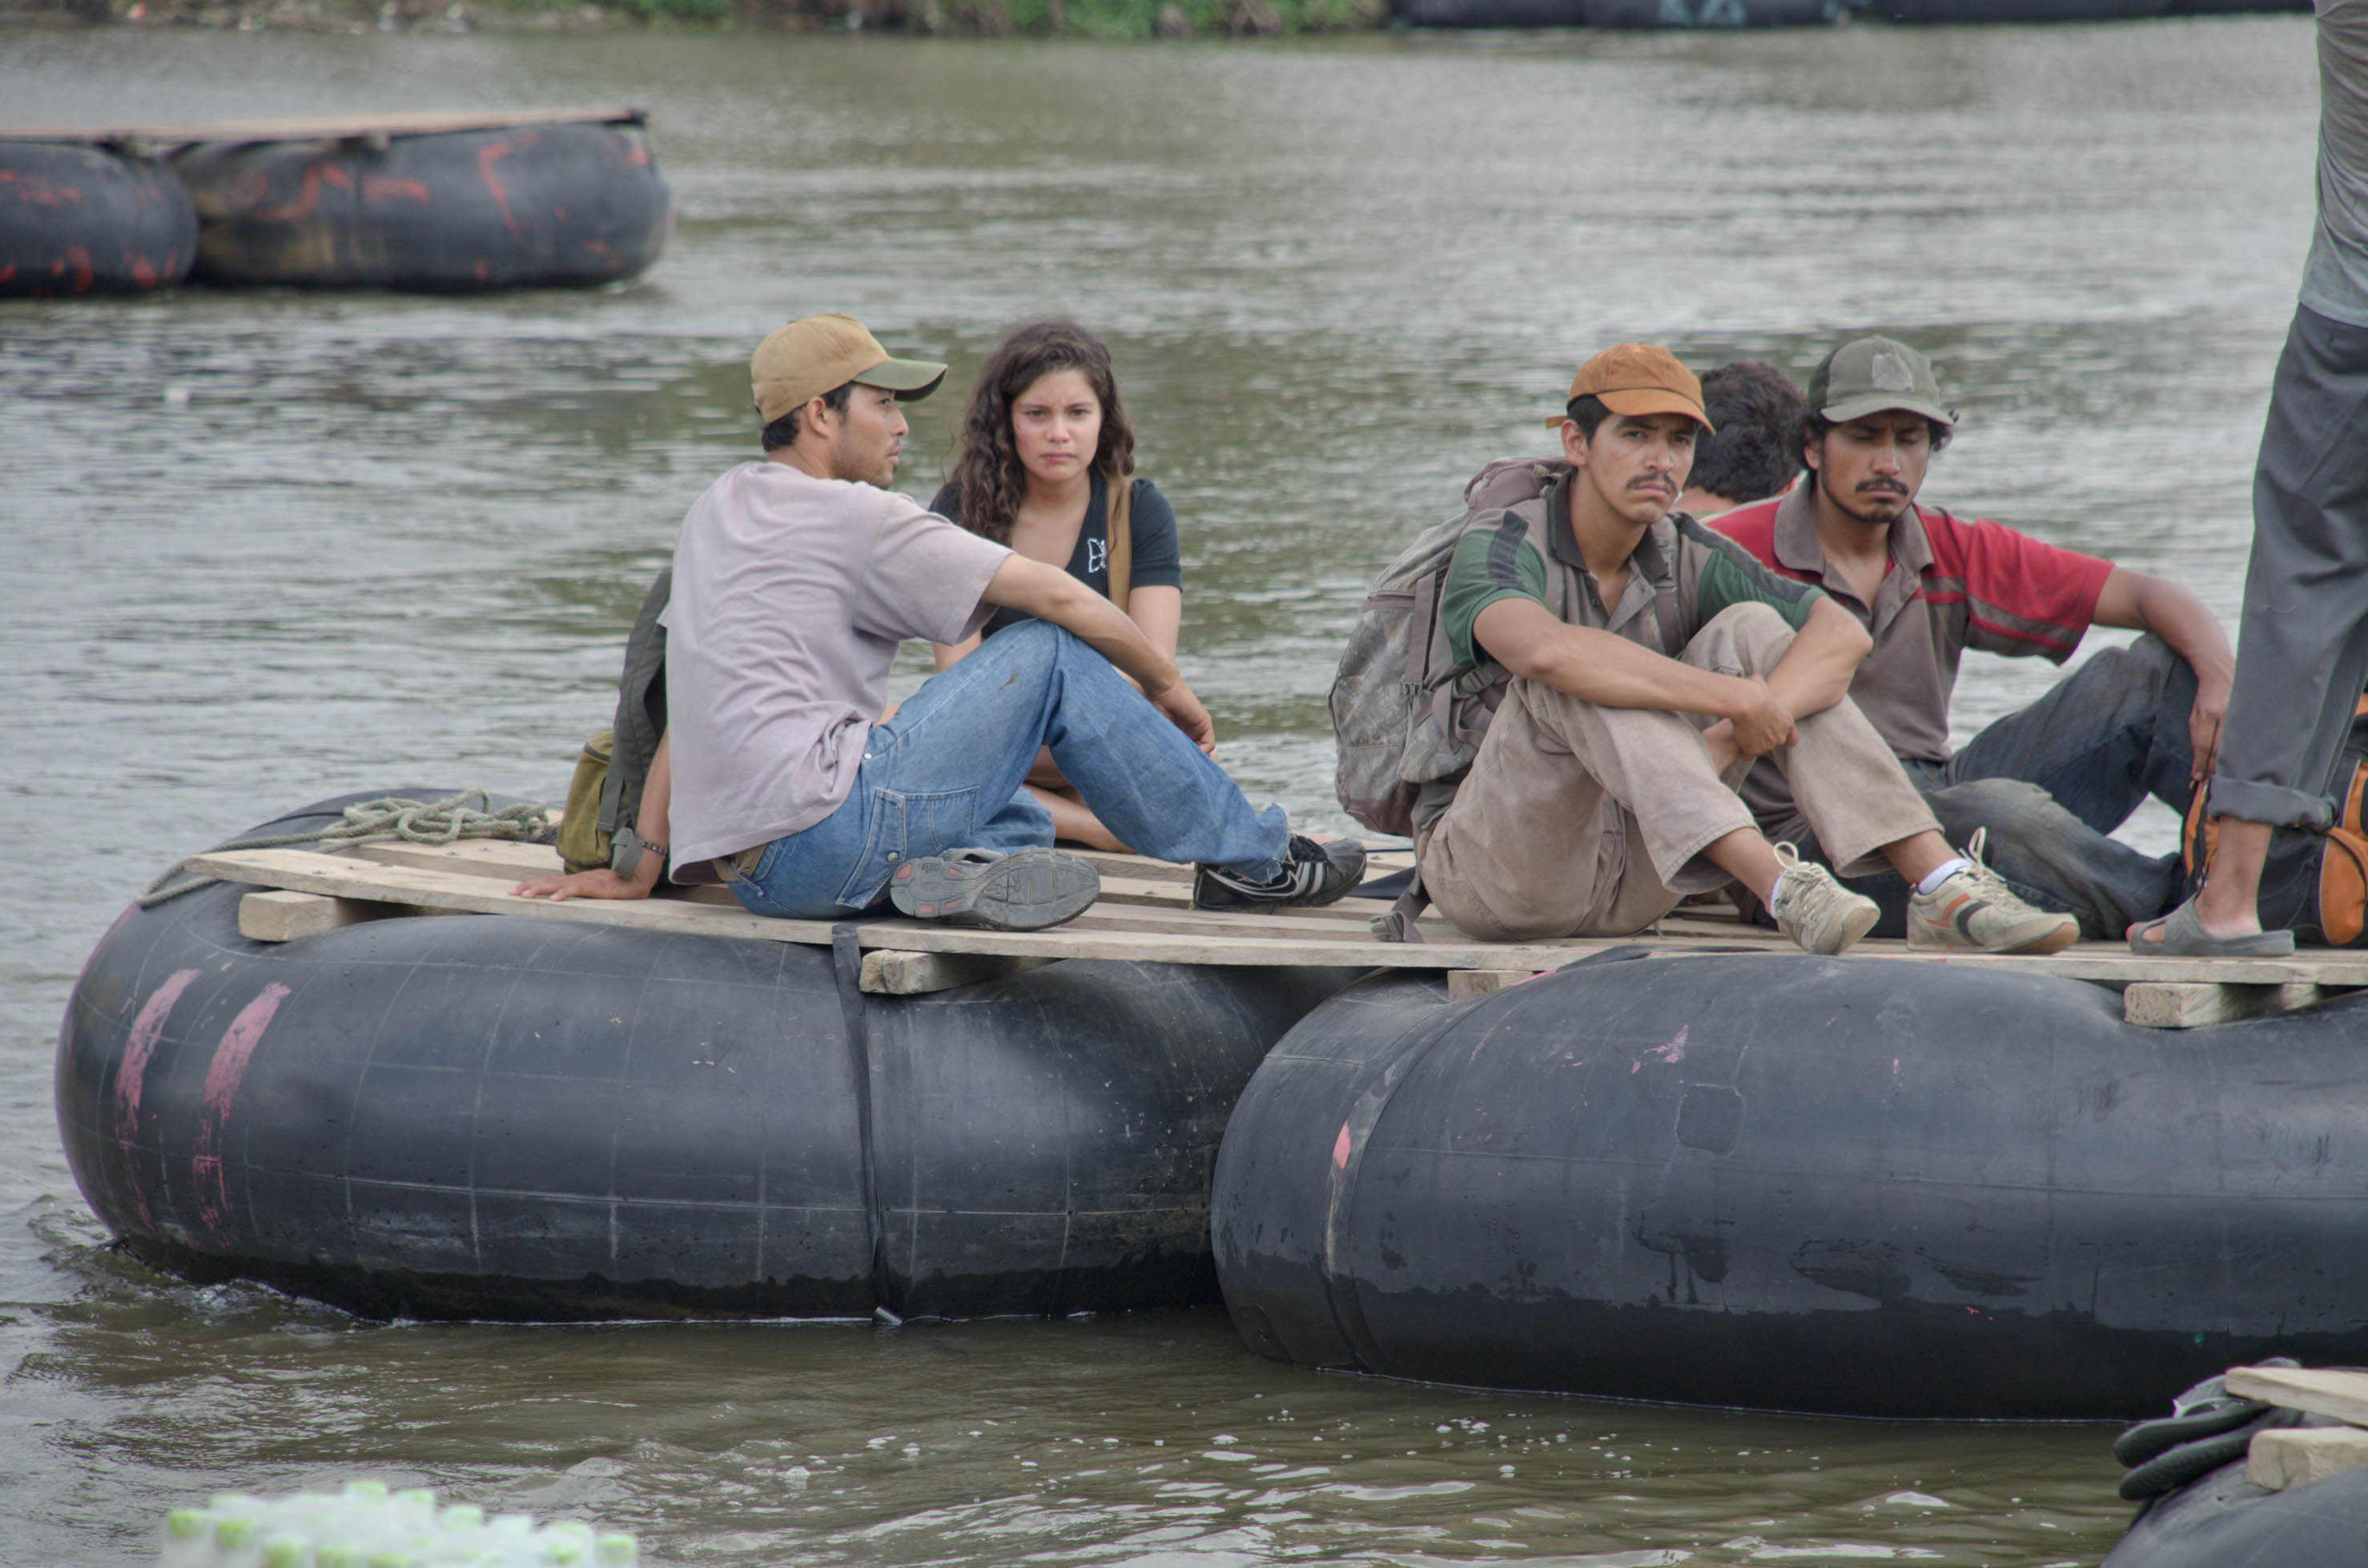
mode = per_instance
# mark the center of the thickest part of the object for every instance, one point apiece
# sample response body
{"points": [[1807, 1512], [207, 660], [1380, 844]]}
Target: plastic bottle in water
{"points": [[188, 1539], [367, 1525]]}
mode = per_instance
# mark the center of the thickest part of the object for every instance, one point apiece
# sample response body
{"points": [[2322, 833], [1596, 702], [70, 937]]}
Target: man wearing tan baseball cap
{"points": [[1621, 666], [794, 581]]}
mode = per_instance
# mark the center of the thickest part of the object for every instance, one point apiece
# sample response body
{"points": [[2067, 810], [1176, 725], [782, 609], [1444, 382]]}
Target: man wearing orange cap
{"points": [[1627, 666], [794, 581]]}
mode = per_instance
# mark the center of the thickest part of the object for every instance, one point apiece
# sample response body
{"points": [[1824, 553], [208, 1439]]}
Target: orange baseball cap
{"points": [[1638, 379]]}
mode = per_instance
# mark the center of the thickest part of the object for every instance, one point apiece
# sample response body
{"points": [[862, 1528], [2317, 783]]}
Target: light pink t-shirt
{"points": [[790, 595]]}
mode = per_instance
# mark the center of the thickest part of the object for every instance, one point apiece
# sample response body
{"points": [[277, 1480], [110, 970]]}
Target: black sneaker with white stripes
{"points": [[1312, 874], [1024, 891]]}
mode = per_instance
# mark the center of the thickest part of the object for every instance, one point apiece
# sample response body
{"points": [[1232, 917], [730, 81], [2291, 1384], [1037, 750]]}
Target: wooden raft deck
{"points": [[1144, 916]]}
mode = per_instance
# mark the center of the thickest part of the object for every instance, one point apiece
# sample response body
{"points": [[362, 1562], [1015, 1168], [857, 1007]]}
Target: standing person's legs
{"points": [[944, 775], [2301, 649]]}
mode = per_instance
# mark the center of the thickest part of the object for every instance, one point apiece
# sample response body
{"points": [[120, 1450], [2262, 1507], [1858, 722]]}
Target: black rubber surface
{"points": [[507, 1116], [2224, 1521], [526, 205], [78, 219], [1852, 1186]]}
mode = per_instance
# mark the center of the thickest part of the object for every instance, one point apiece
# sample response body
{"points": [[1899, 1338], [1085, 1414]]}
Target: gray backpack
{"points": [[1403, 712]]}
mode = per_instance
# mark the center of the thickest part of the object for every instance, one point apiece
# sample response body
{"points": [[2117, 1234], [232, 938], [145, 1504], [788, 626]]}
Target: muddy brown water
{"points": [[264, 548]]}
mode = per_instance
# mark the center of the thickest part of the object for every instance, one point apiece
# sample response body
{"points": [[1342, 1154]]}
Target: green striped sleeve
{"points": [[1730, 576], [1494, 560]]}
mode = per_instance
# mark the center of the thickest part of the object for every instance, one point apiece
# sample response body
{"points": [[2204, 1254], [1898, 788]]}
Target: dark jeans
{"points": [[2051, 783], [944, 774], [2302, 646]]}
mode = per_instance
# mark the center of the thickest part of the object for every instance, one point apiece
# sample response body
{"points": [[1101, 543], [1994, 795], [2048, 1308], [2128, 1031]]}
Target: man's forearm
{"points": [[1815, 670], [1108, 629], [1608, 670], [658, 796], [2179, 619]]}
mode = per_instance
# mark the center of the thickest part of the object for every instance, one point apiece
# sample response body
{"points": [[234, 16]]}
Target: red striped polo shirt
{"points": [[1950, 585]]}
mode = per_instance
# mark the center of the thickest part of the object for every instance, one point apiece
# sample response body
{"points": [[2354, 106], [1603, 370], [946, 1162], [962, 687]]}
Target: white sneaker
{"points": [[1819, 913]]}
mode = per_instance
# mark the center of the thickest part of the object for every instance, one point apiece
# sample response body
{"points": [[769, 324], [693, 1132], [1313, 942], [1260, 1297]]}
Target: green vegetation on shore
{"points": [[991, 19]]}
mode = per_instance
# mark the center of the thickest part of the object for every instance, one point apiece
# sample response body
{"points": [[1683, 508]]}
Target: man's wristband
{"points": [[626, 851]]}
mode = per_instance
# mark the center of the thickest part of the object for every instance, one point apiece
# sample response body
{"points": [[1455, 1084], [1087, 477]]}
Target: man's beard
{"points": [[1866, 513]]}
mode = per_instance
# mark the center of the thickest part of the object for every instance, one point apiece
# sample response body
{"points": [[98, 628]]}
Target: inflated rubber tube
{"points": [[81, 220], [523, 206], [516, 1118], [2222, 1520], [1857, 1187]]}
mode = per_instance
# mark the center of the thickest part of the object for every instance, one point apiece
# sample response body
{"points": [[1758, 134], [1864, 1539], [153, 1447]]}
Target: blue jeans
{"points": [[945, 774], [2052, 781]]}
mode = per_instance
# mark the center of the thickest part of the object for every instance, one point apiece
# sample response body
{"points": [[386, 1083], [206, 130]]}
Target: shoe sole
{"points": [[2052, 941], [1026, 890]]}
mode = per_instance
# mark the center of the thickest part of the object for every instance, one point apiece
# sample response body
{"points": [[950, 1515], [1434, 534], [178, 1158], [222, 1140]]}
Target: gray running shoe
{"points": [[1974, 911], [1819, 913], [1024, 891]]}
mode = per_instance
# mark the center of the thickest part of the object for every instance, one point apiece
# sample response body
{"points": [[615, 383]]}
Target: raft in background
{"points": [[1847, 1187], [505, 1117], [438, 202], [1729, 14], [84, 219]]}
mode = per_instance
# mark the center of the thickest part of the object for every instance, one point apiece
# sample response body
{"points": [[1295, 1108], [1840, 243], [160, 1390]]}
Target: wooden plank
{"points": [[2315, 1391], [887, 972], [323, 127], [1463, 984], [2187, 1005], [278, 916], [1170, 935], [306, 871], [2297, 1456]]}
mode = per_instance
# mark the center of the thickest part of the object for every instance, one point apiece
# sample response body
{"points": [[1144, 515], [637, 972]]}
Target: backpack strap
{"points": [[1397, 926], [1664, 597], [1119, 535]]}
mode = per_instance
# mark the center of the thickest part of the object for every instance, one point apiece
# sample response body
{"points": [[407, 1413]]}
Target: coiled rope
{"points": [[389, 816]]}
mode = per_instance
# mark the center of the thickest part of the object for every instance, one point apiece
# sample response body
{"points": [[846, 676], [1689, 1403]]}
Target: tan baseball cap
{"points": [[814, 355], [1638, 379]]}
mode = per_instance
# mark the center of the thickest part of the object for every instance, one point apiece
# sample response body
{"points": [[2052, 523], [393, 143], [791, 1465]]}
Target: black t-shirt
{"points": [[1151, 527]]}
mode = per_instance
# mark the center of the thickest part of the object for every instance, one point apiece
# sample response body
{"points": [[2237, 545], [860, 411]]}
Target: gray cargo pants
{"points": [[1582, 820], [2302, 647]]}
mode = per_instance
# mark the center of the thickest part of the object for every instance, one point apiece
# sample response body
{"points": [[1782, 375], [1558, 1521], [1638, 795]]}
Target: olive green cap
{"points": [[1870, 375]]}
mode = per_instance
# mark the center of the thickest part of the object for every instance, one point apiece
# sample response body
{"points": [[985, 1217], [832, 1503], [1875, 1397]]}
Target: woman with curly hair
{"points": [[1045, 447]]}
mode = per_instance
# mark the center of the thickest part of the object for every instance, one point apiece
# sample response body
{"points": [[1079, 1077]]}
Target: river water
{"points": [[260, 549]]}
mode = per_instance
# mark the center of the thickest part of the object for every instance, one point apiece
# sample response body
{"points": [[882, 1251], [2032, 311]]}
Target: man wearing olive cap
{"points": [[794, 581], [1624, 666], [2042, 787]]}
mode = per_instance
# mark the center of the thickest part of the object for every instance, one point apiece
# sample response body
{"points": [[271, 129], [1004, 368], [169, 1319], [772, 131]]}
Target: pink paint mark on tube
{"points": [[1340, 1147], [223, 1079], [131, 1074]]}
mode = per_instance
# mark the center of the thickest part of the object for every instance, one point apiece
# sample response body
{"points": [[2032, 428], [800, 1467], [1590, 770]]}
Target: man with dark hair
{"points": [[2041, 790], [794, 581], [1624, 665], [2304, 626], [1755, 451]]}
